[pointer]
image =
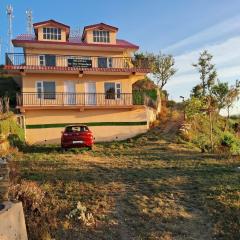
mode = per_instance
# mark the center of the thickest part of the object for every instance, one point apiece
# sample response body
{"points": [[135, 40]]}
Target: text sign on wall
{"points": [[80, 62]]}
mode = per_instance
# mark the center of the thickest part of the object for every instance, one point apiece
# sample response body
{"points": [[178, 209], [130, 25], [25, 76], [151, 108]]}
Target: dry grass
{"points": [[146, 188]]}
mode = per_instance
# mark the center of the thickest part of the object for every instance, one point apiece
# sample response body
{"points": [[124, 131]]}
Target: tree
{"points": [[203, 91], [232, 96], [162, 68], [197, 91], [220, 93], [207, 72]]}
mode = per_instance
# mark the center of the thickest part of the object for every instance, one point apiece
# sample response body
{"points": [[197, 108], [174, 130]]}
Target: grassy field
{"points": [[149, 187]]}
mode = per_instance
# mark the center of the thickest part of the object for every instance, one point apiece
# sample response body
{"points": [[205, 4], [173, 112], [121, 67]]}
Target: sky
{"points": [[182, 28]]}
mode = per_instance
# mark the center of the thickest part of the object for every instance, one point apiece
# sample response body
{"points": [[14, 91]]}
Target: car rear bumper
{"points": [[70, 144]]}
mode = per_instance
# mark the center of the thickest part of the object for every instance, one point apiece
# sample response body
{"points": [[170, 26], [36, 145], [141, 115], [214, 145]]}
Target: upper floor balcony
{"points": [[74, 63], [58, 100]]}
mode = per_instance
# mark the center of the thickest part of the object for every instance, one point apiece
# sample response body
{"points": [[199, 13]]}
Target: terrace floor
{"points": [[150, 187]]}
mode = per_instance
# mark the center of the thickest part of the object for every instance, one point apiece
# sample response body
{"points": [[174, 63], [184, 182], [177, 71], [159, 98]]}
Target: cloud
{"points": [[226, 56], [212, 33]]}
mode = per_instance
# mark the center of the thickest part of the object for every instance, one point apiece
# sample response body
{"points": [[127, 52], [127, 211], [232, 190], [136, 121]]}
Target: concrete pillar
{"points": [[12, 222]]}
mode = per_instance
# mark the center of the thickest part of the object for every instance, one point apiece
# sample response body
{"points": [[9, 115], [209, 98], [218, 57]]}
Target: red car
{"points": [[77, 136]]}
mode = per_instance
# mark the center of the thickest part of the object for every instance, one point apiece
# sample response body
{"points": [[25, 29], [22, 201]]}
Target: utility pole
{"points": [[10, 29], [184, 108], [29, 21]]}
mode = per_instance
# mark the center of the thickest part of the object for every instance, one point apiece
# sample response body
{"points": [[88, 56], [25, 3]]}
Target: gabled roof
{"points": [[100, 25], [74, 41], [50, 21]]}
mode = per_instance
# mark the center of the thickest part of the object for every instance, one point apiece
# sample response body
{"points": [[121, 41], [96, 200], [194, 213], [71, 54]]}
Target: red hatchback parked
{"points": [[77, 136]]}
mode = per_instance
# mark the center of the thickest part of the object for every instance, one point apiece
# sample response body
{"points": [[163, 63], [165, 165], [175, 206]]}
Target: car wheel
{"points": [[64, 149]]}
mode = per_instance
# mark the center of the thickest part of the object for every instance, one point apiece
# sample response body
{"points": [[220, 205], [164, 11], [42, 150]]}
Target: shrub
{"points": [[14, 133], [198, 132], [194, 107], [202, 141], [82, 214], [30, 194], [40, 219], [230, 141]]}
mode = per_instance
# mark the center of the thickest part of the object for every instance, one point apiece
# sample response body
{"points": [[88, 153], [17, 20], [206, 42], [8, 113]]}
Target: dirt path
{"points": [[191, 222]]}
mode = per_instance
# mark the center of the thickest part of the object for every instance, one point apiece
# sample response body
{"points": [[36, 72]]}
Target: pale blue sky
{"points": [[180, 27]]}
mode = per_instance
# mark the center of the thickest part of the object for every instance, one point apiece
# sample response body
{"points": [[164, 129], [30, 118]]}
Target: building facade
{"points": [[86, 79]]}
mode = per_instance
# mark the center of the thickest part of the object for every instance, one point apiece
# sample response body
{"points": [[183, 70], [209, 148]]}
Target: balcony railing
{"points": [[67, 62], [77, 99]]}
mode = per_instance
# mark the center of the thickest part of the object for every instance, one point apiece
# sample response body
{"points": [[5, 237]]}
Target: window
{"points": [[112, 90], [104, 62], [46, 90], [47, 60], [118, 90], [42, 60], [51, 33], [101, 36], [71, 129], [39, 89], [50, 60]]}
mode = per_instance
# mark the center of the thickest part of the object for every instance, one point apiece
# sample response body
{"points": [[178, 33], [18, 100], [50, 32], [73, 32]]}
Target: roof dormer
{"points": [[51, 31], [99, 33]]}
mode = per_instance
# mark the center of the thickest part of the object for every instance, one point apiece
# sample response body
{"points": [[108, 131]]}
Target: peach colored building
{"points": [[88, 79]]}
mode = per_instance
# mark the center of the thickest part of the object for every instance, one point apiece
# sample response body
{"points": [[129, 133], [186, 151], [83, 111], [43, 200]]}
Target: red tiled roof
{"points": [[66, 69], [27, 38], [100, 25], [50, 21]]}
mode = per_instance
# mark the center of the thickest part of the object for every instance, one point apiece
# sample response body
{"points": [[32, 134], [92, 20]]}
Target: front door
{"points": [[91, 93], [70, 93]]}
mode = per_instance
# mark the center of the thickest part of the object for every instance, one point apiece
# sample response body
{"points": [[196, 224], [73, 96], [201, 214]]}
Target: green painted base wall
{"points": [[61, 125]]}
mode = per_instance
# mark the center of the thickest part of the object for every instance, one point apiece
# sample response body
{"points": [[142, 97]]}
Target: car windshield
{"points": [[76, 129]]}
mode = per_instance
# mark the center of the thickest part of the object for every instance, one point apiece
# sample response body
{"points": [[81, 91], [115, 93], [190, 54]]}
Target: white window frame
{"points": [[52, 33], [109, 61], [101, 36], [42, 62], [117, 88], [41, 92]]}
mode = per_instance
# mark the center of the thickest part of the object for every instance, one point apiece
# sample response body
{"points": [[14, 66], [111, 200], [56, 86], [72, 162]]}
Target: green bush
{"points": [[152, 93], [202, 141], [138, 95], [230, 141], [193, 107], [14, 133]]}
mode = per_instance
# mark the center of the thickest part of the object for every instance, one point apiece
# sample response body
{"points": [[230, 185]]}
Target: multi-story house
{"points": [[85, 79]]}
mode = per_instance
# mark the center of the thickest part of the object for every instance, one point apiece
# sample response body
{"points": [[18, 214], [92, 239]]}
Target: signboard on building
{"points": [[80, 62]]}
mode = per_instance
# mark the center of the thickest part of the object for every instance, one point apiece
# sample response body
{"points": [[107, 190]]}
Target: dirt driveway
{"points": [[149, 187]]}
